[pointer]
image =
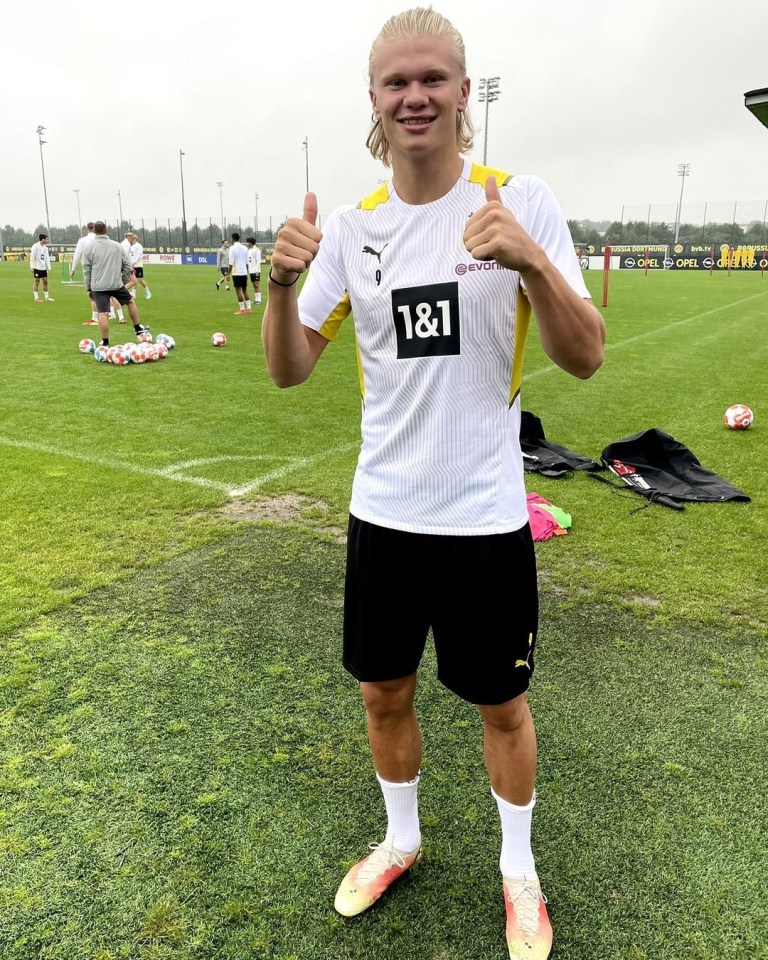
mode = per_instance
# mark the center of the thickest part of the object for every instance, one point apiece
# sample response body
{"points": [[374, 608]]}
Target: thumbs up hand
{"points": [[493, 233], [298, 241]]}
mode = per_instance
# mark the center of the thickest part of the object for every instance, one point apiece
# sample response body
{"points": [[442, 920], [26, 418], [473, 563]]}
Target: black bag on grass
{"points": [[661, 468], [542, 456]]}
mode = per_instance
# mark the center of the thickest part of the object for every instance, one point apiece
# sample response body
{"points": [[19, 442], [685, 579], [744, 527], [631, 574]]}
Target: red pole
{"points": [[711, 259], [606, 274], [647, 255], [730, 260]]}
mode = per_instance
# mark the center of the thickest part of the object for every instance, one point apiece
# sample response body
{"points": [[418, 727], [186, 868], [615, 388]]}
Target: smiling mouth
{"points": [[416, 121]]}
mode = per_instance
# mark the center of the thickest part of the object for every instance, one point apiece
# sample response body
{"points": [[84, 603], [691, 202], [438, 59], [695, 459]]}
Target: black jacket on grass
{"points": [[655, 464]]}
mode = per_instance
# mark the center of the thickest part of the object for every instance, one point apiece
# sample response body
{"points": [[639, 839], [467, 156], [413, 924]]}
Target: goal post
{"points": [[66, 264]]}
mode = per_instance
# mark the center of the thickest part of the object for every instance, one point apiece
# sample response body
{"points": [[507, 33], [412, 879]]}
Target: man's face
{"points": [[417, 92]]}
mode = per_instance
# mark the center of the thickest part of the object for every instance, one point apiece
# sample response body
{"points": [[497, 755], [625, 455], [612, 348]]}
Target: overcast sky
{"points": [[602, 99]]}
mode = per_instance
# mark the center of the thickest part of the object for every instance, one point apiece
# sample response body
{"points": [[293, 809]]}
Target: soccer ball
{"points": [[738, 417], [145, 337], [219, 340], [100, 354], [162, 349], [137, 353], [87, 346], [117, 355], [164, 338]]}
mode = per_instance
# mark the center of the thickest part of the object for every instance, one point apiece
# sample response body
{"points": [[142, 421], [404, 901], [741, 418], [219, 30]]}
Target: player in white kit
{"points": [[440, 268]]}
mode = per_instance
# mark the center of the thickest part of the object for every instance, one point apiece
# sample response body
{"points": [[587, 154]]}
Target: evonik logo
{"points": [[476, 266]]}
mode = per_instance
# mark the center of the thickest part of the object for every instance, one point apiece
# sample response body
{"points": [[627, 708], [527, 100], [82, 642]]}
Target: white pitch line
{"points": [[652, 333], [173, 471], [113, 464], [290, 467]]}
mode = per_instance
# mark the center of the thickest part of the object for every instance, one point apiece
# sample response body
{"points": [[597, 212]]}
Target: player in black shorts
{"points": [[438, 534]]}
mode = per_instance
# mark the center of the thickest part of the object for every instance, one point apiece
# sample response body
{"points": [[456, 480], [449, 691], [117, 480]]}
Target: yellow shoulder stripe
{"points": [[330, 328], [479, 174], [380, 195]]}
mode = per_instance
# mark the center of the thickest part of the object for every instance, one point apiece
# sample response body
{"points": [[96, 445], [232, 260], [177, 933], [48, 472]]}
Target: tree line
{"points": [[658, 232], [151, 234]]}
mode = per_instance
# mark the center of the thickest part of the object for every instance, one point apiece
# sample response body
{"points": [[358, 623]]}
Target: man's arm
{"points": [[571, 328], [87, 269], [127, 269], [291, 349]]}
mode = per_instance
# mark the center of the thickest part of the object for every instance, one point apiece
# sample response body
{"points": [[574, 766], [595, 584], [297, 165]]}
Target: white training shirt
{"points": [[82, 243], [254, 260], [440, 341], [238, 259], [136, 254], [39, 257], [125, 243]]}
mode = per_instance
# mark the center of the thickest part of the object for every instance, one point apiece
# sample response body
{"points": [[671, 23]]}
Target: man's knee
{"points": [[507, 717], [389, 698]]}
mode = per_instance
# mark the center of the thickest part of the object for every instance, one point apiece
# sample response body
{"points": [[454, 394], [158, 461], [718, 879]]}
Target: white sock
{"points": [[36, 295], [401, 802], [516, 854], [94, 315], [247, 304], [111, 314], [120, 315], [46, 295], [258, 298]]}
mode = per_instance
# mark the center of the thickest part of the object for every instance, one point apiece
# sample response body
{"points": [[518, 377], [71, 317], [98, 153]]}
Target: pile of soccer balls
{"points": [[738, 417], [145, 351]]}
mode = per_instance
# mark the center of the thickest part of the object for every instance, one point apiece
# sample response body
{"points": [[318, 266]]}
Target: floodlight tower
{"points": [[40, 132], [183, 205], [683, 170], [79, 215], [256, 220], [220, 185], [120, 208], [489, 91], [305, 145]]}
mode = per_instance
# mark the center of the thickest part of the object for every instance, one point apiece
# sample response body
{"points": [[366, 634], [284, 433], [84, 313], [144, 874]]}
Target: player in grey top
{"points": [[106, 269], [222, 263]]}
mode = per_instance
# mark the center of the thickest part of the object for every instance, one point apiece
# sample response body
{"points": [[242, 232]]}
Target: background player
{"points": [[40, 265], [136, 256], [254, 267], [222, 263], [238, 270]]}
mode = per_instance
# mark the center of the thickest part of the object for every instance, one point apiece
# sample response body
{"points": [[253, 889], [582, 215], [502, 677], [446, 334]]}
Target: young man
{"points": [[40, 265], [238, 270], [106, 268], [438, 267], [222, 263], [254, 267], [136, 256]]}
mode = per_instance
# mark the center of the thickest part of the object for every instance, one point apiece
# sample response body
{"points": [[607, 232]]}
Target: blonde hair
{"points": [[419, 22]]}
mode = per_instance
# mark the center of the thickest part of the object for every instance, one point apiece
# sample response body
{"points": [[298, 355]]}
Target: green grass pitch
{"points": [[183, 766]]}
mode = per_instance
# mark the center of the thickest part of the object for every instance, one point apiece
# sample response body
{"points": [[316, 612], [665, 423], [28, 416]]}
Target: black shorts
{"points": [[255, 277], [224, 271], [478, 594], [240, 281], [102, 297], [40, 274], [138, 273]]}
